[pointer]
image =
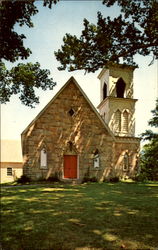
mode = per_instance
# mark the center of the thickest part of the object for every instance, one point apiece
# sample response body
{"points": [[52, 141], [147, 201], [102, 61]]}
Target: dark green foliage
{"points": [[11, 13], [11, 43], [142, 177], [114, 179], [49, 3], [149, 154], [22, 80], [149, 161], [54, 178], [134, 31], [23, 179], [89, 179]]}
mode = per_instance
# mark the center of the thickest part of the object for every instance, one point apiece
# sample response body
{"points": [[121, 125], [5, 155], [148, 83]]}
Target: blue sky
{"points": [[46, 37]]}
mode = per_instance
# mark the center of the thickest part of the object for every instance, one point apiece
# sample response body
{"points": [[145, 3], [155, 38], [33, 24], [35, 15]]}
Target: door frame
{"points": [[77, 167]]}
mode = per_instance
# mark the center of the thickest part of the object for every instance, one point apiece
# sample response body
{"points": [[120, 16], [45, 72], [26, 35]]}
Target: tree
{"points": [[149, 154], [16, 12], [134, 31], [23, 78]]}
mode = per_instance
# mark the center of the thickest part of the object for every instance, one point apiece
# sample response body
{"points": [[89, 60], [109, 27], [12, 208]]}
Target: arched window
{"points": [[70, 145], [118, 121], [126, 162], [125, 121], [104, 91], [120, 88], [43, 158], [96, 160]]}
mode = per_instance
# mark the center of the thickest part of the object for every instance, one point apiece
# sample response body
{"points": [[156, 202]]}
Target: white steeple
{"points": [[117, 105]]}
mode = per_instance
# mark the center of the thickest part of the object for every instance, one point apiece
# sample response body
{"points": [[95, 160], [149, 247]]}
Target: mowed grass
{"points": [[87, 216]]}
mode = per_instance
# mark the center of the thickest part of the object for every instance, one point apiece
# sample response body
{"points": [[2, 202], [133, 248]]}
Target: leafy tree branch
{"points": [[134, 31], [24, 78], [149, 154]]}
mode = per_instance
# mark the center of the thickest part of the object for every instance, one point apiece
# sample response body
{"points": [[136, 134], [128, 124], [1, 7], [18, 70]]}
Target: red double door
{"points": [[70, 166]]}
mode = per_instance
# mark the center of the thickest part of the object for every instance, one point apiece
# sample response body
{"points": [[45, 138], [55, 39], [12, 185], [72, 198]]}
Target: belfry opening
{"points": [[120, 88], [104, 91]]}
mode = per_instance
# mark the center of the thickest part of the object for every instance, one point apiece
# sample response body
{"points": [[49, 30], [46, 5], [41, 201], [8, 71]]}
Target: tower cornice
{"points": [[117, 100], [116, 65]]}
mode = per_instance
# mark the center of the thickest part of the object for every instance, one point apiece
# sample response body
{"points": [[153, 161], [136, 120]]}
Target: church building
{"points": [[70, 139]]}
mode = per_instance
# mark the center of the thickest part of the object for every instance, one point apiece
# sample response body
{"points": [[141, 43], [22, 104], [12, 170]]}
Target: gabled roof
{"points": [[72, 79], [10, 151]]}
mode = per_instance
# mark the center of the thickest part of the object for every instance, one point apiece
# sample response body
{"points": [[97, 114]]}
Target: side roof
{"points": [[72, 79], [10, 151]]}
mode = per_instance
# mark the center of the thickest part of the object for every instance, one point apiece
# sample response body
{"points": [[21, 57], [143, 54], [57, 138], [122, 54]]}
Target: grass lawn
{"points": [[87, 216]]}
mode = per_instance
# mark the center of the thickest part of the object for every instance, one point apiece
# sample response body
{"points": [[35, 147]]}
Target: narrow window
{"points": [[43, 159], [125, 122], [9, 171], [104, 91], [70, 145], [126, 162], [96, 160], [120, 88], [118, 121]]}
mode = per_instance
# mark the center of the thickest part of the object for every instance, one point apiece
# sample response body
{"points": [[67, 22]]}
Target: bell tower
{"points": [[117, 106]]}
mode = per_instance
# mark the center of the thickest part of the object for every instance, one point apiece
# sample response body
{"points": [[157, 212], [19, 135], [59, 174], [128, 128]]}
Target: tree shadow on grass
{"points": [[98, 216]]}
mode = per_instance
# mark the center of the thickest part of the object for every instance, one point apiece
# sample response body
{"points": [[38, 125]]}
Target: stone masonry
{"points": [[70, 125], [55, 129]]}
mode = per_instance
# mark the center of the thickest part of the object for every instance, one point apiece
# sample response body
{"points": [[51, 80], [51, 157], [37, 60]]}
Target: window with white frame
{"points": [[126, 162], [9, 171], [43, 158], [96, 160]]}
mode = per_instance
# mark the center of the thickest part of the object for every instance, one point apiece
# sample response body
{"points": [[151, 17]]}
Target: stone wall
{"points": [[56, 129], [131, 147]]}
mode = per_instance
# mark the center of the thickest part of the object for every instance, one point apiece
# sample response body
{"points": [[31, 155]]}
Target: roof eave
{"points": [[58, 93]]}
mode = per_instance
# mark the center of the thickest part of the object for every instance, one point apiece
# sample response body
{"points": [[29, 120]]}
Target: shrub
{"points": [[23, 179], [89, 179], [54, 178], [93, 179], [114, 179], [141, 177]]}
